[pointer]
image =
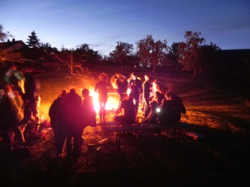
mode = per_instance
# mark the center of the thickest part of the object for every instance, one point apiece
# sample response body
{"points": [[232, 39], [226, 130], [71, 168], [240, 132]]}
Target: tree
{"points": [[82, 49], [3, 52], [48, 48], [173, 56], [189, 52], [208, 58], [152, 53], [4, 35], [88, 56], [121, 52], [33, 41]]}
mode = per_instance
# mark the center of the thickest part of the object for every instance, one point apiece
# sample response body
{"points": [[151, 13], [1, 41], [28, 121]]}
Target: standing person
{"points": [[88, 109], [57, 123], [88, 114], [72, 115], [119, 82], [146, 89], [135, 86], [101, 89], [32, 94], [12, 113]]}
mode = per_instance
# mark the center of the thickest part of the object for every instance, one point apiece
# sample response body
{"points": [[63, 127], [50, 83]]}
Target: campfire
{"points": [[112, 103]]}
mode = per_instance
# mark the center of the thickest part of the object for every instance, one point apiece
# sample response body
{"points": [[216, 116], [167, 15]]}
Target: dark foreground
{"points": [[146, 161]]}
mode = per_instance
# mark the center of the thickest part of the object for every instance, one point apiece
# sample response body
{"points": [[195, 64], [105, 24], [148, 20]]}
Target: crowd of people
{"points": [[158, 103], [70, 113]]}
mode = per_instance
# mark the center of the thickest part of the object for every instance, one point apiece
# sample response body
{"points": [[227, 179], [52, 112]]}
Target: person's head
{"points": [[103, 76], [168, 96], [72, 91], [64, 94], [146, 77], [133, 76], [85, 92], [12, 66]]}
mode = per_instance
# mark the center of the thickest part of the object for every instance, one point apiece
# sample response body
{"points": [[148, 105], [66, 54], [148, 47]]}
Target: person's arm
{"points": [[182, 109], [96, 87], [18, 75], [120, 107]]}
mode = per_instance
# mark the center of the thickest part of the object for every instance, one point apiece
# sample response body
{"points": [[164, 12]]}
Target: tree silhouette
{"points": [[208, 58], [189, 52], [121, 52], [88, 56], [33, 40], [173, 56], [4, 35], [47, 47], [152, 53]]}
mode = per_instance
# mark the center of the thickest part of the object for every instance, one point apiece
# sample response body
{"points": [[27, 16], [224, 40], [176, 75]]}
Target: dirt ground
{"points": [[218, 115]]}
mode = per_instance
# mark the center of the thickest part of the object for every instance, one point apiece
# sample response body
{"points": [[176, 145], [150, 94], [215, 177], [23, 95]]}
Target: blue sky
{"points": [[101, 23]]}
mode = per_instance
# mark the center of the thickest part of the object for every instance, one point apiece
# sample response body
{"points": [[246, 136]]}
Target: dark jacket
{"points": [[56, 109], [12, 110], [88, 114], [171, 112], [129, 109], [72, 108]]}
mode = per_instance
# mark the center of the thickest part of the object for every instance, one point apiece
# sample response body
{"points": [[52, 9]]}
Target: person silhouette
{"points": [[135, 86], [101, 89]]}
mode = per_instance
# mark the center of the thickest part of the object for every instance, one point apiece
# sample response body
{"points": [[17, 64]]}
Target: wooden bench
{"points": [[122, 128]]}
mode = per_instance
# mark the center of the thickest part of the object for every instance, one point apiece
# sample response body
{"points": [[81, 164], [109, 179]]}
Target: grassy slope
{"points": [[219, 116]]}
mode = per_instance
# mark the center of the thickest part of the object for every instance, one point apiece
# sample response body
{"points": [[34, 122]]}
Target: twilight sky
{"points": [[101, 23]]}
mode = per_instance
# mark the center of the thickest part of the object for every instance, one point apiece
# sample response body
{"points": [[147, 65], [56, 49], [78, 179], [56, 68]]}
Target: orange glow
{"points": [[128, 91], [42, 118], [112, 103], [154, 87]]}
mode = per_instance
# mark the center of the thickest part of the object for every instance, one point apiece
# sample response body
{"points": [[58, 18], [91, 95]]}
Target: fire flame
{"points": [[112, 102]]}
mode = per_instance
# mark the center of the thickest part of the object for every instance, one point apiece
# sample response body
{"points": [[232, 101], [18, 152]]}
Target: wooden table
{"points": [[122, 128]]}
